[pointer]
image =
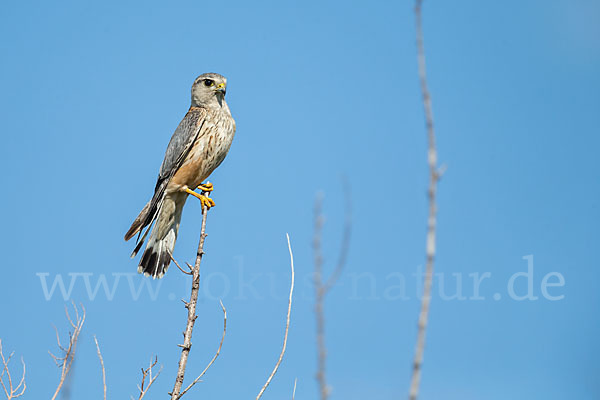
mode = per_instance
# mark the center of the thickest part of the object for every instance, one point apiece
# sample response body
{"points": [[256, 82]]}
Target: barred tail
{"points": [[157, 257]]}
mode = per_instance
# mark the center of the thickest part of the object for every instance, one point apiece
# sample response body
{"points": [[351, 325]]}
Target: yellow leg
{"points": [[205, 201], [205, 187]]}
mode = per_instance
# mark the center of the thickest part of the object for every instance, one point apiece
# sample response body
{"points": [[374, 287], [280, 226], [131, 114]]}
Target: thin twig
{"points": [[10, 391], [287, 323], [191, 307], [321, 289], [177, 264], [147, 373], [66, 361], [215, 356], [102, 365], [294, 392], [434, 176]]}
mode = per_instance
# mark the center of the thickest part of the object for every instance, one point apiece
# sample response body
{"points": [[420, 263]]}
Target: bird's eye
{"points": [[209, 82]]}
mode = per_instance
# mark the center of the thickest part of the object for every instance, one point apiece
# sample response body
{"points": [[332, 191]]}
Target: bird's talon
{"points": [[205, 187], [205, 201]]}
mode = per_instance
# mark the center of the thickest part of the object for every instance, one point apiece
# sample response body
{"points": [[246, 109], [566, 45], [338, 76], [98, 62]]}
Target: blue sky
{"points": [[92, 92]]}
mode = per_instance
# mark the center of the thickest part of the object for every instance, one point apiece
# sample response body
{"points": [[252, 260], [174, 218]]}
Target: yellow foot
{"points": [[205, 187], [205, 201]]}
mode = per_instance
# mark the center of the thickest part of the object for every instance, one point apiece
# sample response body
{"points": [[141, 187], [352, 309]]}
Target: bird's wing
{"points": [[189, 130]]}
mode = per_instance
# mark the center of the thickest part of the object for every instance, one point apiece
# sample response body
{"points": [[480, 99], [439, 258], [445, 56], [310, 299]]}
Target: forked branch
{"points": [[215, 356], [10, 391], [65, 361], [194, 271], [147, 374]]}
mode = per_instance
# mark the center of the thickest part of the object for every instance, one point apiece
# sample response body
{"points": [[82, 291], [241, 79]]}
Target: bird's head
{"points": [[209, 89]]}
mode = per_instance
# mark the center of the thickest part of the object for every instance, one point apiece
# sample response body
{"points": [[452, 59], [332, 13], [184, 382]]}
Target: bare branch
{"points": [[66, 361], [215, 356], [147, 373], [102, 365], [11, 392], [191, 307], [344, 248], [434, 176], [287, 323], [320, 292], [321, 289]]}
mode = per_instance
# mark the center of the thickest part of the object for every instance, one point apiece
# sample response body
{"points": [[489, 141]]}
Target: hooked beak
{"points": [[221, 88]]}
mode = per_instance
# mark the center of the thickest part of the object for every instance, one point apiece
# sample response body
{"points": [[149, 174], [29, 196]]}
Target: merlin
{"points": [[198, 146]]}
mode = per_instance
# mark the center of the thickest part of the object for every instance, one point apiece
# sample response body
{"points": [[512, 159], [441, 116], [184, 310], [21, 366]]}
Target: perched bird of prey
{"points": [[198, 146]]}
